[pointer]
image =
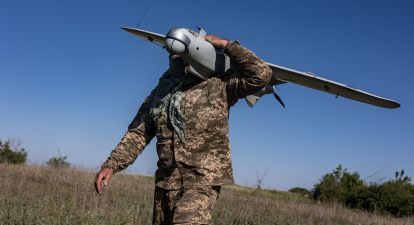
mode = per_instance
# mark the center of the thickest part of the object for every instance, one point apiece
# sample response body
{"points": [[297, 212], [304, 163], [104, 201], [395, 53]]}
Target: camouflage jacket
{"points": [[206, 158]]}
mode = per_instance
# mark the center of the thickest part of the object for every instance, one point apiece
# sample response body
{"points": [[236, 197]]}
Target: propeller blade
{"points": [[279, 99]]}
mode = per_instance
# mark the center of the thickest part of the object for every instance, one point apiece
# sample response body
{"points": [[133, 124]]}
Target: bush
{"points": [[336, 185], [10, 152], [58, 161], [301, 191], [394, 197]]}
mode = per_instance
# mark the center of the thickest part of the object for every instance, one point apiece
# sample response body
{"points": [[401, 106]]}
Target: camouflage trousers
{"points": [[188, 205]]}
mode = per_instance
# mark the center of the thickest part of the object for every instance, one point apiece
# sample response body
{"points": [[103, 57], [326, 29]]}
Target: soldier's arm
{"points": [[253, 73], [140, 132]]}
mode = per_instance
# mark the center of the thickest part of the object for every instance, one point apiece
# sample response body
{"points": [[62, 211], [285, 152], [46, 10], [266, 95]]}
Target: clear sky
{"points": [[72, 79]]}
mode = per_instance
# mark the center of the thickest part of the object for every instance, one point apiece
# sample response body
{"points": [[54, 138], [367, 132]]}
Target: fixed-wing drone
{"points": [[204, 60]]}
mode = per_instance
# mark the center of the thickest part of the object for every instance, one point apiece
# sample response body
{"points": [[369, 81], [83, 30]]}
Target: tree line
{"points": [[395, 196]]}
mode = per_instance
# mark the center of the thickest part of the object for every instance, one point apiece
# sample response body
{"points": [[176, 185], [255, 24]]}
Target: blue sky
{"points": [[71, 79]]}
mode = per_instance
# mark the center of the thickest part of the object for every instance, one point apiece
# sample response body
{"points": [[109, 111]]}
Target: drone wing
{"points": [[321, 84], [283, 74], [151, 37]]}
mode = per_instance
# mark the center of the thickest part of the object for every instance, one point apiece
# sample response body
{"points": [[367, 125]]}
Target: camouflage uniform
{"points": [[188, 205], [206, 158]]}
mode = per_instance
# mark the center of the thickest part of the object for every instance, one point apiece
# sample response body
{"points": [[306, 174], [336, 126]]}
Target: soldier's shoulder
{"points": [[143, 112]]}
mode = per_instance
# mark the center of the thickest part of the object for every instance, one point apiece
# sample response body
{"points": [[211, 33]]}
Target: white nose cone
{"points": [[174, 47]]}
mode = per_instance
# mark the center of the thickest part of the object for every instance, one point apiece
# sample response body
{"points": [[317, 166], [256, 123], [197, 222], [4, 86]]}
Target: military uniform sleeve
{"points": [[140, 132], [252, 74]]}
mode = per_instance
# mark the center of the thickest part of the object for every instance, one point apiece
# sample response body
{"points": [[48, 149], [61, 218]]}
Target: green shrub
{"points": [[58, 161], [395, 196], [336, 185], [301, 191], [7, 154]]}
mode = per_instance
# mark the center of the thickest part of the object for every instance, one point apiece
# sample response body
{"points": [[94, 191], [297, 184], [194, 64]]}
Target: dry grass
{"points": [[42, 195]]}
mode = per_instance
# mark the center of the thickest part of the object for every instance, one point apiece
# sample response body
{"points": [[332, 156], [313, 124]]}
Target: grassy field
{"points": [[42, 195]]}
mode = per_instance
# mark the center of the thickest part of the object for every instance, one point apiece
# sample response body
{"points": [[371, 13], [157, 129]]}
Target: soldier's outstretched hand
{"points": [[104, 175], [217, 41]]}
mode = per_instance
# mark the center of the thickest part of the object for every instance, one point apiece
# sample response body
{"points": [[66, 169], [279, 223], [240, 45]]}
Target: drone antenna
{"points": [[142, 17]]}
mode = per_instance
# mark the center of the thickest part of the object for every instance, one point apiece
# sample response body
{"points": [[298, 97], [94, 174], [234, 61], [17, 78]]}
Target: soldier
{"points": [[189, 117]]}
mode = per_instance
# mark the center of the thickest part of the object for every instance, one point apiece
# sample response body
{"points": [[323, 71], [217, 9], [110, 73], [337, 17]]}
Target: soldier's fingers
{"points": [[108, 176], [216, 41], [94, 183], [192, 32], [98, 183], [208, 38]]}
